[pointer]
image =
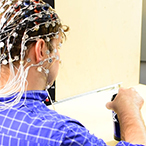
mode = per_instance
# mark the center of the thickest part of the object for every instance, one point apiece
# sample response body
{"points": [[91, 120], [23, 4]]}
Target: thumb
{"points": [[109, 105]]}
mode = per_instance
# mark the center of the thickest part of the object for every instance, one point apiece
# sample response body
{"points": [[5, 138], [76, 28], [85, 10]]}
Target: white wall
{"points": [[103, 45]]}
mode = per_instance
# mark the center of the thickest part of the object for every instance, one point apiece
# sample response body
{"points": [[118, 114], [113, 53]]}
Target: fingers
{"points": [[125, 99], [129, 90], [109, 105], [132, 89]]}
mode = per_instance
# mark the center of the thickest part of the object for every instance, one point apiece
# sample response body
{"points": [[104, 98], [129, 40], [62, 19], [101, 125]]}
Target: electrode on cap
{"points": [[26, 2], [46, 6]]}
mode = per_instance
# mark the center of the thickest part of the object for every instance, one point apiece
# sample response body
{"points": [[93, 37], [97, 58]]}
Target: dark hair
{"points": [[18, 21]]}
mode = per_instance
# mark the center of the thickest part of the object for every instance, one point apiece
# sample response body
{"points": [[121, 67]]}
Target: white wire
{"points": [[17, 85], [50, 98], [17, 82]]}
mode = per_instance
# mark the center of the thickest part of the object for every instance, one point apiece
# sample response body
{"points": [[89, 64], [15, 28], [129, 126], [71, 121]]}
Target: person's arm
{"points": [[132, 127], [127, 105]]}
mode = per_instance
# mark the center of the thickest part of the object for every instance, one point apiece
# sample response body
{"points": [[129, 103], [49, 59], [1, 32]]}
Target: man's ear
{"points": [[40, 50]]}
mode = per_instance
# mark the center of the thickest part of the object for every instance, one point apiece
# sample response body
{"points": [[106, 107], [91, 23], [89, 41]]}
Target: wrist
{"points": [[132, 127]]}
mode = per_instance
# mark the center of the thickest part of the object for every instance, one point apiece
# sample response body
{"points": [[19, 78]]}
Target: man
{"points": [[30, 35]]}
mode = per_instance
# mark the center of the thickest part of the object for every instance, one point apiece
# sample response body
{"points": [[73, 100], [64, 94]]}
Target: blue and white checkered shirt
{"points": [[33, 124]]}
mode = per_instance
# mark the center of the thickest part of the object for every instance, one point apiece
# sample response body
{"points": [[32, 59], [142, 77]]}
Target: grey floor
{"points": [[143, 72]]}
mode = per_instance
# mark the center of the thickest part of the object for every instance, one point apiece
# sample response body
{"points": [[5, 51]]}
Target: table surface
{"points": [[90, 110]]}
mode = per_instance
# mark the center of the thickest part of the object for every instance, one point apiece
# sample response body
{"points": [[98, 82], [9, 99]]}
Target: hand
{"points": [[126, 99], [127, 105]]}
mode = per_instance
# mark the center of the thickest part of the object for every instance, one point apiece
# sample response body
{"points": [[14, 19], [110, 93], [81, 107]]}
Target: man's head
{"points": [[30, 34], [22, 24]]}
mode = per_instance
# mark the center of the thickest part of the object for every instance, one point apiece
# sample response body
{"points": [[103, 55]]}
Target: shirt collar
{"points": [[35, 94], [32, 94]]}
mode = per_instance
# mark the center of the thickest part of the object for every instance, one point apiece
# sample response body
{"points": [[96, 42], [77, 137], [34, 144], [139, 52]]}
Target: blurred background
{"points": [[143, 46], [105, 45]]}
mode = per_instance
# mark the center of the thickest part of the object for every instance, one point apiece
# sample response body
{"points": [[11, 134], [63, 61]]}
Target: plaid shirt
{"points": [[31, 123]]}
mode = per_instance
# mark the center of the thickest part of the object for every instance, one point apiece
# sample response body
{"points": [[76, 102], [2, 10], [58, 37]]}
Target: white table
{"points": [[90, 110]]}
